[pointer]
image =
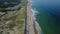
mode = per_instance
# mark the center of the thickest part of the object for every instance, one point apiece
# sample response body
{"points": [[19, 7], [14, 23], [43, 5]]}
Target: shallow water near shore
{"points": [[47, 15]]}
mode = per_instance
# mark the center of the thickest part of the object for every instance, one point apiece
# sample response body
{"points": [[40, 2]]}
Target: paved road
{"points": [[30, 28]]}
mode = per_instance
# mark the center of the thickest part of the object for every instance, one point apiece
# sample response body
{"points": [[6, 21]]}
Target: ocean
{"points": [[47, 15]]}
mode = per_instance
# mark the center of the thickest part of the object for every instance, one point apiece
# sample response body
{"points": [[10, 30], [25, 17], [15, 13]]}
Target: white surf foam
{"points": [[38, 28]]}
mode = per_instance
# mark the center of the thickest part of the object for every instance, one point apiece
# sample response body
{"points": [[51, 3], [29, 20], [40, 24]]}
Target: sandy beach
{"points": [[30, 20]]}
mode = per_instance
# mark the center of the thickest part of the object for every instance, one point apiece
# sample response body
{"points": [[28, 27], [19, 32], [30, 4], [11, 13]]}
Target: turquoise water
{"points": [[48, 16]]}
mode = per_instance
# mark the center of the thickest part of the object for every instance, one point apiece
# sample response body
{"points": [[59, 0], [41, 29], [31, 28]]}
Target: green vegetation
{"points": [[2, 9], [25, 1], [21, 19], [13, 21]]}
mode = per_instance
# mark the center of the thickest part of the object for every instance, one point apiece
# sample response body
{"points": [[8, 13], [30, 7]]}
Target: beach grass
{"points": [[20, 20], [16, 20], [25, 1]]}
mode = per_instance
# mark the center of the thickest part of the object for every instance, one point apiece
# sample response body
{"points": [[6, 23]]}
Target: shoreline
{"points": [[32, 26], [30, 20], [36, 25], [30, 29]]}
